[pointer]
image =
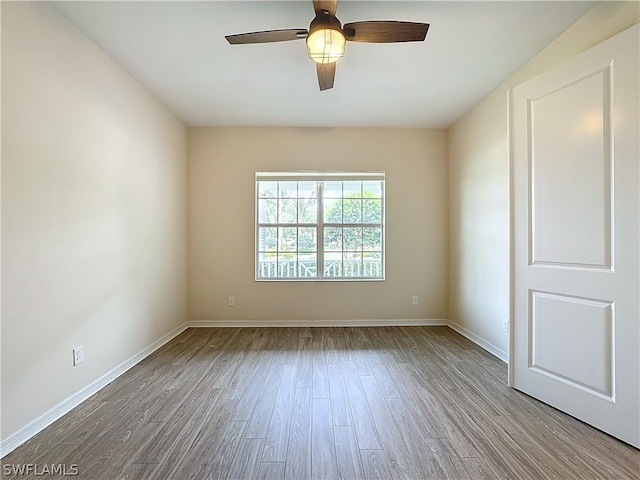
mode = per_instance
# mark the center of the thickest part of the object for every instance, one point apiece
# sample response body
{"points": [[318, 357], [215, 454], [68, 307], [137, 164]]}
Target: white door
{"points": [[576, 237]]}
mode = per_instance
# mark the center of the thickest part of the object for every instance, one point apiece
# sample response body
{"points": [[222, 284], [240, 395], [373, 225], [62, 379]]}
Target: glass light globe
{"points": [[326, 45]]}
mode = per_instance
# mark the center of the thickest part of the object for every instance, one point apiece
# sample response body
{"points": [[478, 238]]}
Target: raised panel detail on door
{"points": [[554, 322], [570, 174]]}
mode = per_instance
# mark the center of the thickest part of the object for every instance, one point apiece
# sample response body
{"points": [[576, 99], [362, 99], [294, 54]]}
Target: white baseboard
{"points": [[320, 323], [32, 428], [16, 439], [492, 349]]}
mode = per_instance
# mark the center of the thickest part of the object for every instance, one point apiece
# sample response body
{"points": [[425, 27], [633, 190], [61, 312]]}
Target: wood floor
{"points": [[314, 403]]}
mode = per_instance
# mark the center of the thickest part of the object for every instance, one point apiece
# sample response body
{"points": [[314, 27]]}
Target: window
{"points": [[319, 226]]}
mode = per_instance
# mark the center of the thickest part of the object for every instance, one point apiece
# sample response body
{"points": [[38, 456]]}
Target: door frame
{"points": [[512, 238]]}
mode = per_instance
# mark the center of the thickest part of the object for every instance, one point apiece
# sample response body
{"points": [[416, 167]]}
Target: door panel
{"points": [[571, 126], [554, 319], [576, 236]]}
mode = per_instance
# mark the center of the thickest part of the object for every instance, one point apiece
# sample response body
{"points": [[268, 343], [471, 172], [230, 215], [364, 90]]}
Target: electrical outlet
{"points": [[505, 325], [232, 301], [414, 300], [78, 355]]}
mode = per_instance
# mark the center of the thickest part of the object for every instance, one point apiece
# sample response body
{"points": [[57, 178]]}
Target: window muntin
{"points": [[307, 220]]}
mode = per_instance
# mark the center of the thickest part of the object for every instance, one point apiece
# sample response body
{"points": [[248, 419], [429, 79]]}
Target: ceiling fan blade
{"points": [[385, 31], [267, 36], [328, 5], [326, 74]]}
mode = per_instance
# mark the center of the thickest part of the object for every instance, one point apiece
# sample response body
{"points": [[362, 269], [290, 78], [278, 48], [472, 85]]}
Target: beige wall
{"points": [[93, 213], [222, 166], [479, 182]]}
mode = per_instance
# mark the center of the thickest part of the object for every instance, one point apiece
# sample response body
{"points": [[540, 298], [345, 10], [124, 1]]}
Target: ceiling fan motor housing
{"points": [[324, 20]]}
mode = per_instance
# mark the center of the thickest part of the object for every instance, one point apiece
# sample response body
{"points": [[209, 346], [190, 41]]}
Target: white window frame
{"points": [[319, 177]]}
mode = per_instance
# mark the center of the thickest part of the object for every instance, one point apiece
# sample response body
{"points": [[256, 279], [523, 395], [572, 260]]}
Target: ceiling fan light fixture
{"points": [[326, 37], [326, 45]]}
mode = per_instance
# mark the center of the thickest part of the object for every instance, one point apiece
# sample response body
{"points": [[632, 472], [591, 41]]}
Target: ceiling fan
{"points": [[326, 37]]}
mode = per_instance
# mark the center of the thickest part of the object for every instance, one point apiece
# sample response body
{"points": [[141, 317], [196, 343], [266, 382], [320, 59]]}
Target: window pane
{"points": [[267, 265], [352, 210], [352, 189], [333, 265], [287, 265], [372, 238], [307, 265], [307, 239], [352, 239], [288, 189], [287, 239], [267, 239], [307, 190], [372, 265], [267, 211], [332, 211], [332, 239], [268, 189], [288, 211], [352, 265], [372, 189], [332, 190], [372, 211], [307, 211]]}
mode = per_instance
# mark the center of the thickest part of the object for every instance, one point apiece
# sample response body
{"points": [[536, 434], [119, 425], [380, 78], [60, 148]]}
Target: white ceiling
{"points": [[178, 51]]}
